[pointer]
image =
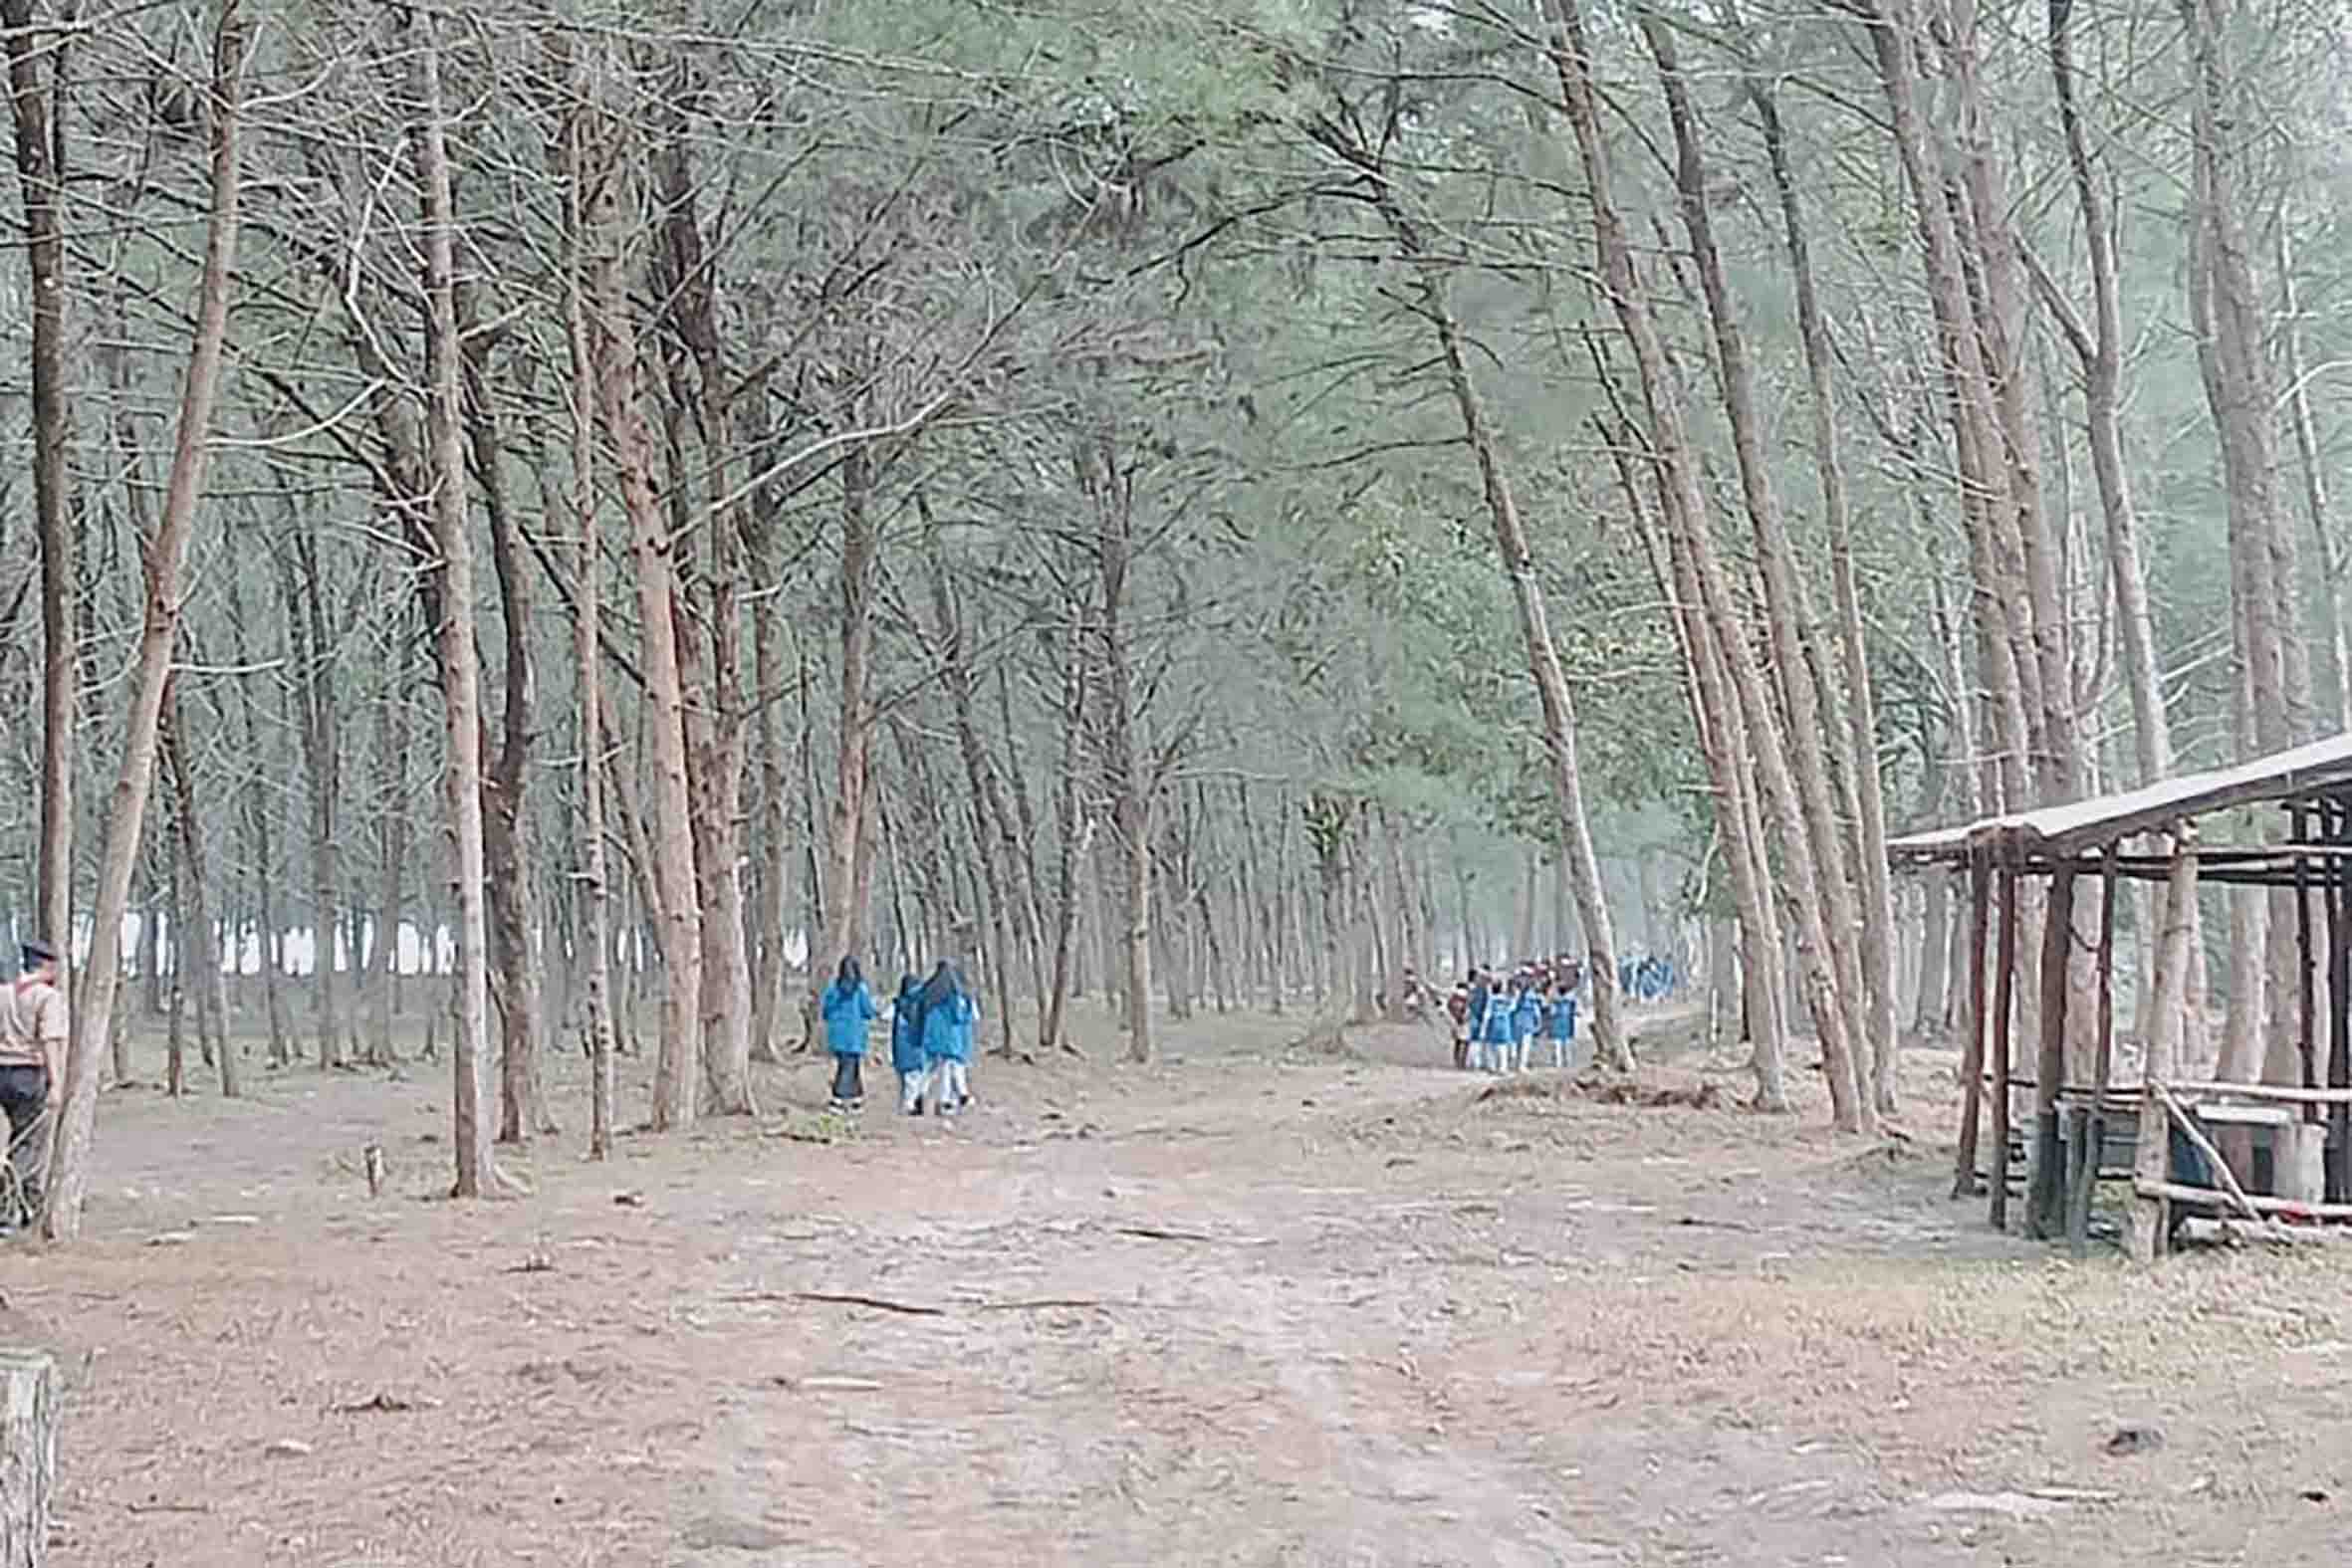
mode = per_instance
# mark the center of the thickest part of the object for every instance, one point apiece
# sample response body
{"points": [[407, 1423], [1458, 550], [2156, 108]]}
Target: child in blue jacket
{"points": [[1563, 1023], [950, 1021], [1527, 1016], [1495, 1028], [848, 1007], [906, 1045]]}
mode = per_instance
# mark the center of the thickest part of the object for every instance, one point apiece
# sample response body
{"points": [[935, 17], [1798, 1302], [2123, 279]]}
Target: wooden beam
{"points": [[2045, 1207], [2306, 1040], [2205, 1146], [2094, 1118], [2173, 1191], [2279, 1093], [2339, 1014], [2004, 985], [1972, 1066], [2151, 1212]]}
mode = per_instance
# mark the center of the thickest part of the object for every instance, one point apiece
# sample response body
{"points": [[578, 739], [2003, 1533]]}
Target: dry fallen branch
{"points": [[838, 1298]]}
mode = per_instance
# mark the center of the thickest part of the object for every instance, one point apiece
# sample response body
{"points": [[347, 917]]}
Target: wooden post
{"points": [[2005, 987], [2086, 1167], [2306, 972], [2339, 1011], [1972, 1063], [2045, 1207], [2152, 1165], [28, 1455]]}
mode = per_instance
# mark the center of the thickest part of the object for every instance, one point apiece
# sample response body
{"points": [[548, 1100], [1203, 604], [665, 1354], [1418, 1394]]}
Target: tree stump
{"points": [[28, 1454]]}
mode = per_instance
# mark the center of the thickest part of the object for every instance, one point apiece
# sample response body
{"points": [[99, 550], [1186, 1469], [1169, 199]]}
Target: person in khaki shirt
{"points": [[33, 1030]]}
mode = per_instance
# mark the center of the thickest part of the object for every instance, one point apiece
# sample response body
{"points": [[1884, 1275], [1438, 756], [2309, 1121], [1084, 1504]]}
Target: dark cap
{"points": [[36, 954]]}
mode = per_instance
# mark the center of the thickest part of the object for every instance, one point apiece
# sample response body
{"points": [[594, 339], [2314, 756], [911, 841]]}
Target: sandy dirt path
{"points": [[1254, 1306]]}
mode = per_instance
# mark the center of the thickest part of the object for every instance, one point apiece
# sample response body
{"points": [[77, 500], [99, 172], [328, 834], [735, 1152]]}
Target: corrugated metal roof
{"points": [[2323, 766]]}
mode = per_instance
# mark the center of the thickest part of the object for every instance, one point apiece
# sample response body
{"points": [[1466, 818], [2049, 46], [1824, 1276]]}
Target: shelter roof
{"points": [[2301, 772]]}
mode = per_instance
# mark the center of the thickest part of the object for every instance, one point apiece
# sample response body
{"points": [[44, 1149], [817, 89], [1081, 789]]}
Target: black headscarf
{"points": [[943, 983], [850, 974]]}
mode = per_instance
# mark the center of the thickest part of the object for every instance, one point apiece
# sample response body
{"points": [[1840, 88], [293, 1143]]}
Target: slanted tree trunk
{"points": [[460, 675], [1878, 899], [167, 555], [1784, 611], [1686, 519], [1723, 741], [1565, 768]]}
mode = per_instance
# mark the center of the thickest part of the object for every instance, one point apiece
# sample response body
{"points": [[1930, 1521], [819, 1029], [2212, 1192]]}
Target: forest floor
{"points": [[1253, 1305]]}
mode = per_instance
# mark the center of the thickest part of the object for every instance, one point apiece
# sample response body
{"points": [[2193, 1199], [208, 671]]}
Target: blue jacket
{"points": [[906, 1031], [1527, 1010], [948, 1028], [846, 1013], [1493, 1029], [1563, 1017]]}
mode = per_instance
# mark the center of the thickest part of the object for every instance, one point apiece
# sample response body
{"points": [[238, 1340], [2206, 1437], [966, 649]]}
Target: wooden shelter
{"points": [[2151, 833]]}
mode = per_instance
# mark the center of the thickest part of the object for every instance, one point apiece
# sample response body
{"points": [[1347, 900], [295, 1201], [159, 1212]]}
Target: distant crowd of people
{"points": [[1496, 1016], [932, 1025], [1647, 979], [1497, 1019]]}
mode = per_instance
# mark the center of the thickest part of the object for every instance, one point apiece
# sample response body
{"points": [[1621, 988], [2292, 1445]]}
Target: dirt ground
{"points": [[1253, 1305]]}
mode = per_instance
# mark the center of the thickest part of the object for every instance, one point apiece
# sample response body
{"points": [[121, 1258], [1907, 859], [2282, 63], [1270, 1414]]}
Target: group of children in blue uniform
{"points": [[1646, 979], [932, 1025], [1496, 1022]]}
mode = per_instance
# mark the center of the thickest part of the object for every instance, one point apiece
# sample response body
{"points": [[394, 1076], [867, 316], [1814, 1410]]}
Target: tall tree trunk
{"points": [[460, 676], [714, 724], [2228, 315], [1072, 831], [1111, 490], [513, 916], [588, 651], [2100, 349], [41, 178], [853, 737], [393, 834], [613, 341], [775, 845], [2307, 461], [198, 944], [166, 557], [313, 698], [992, 819]]}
